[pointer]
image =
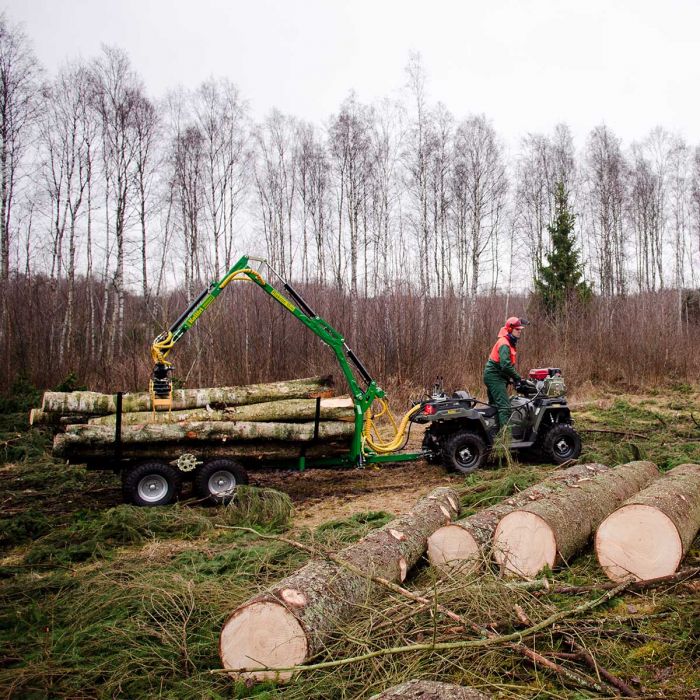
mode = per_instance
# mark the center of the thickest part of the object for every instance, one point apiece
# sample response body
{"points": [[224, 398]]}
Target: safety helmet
{"points": [[515, 323]]}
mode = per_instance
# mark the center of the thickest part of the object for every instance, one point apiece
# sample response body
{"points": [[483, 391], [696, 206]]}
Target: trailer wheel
{"points": [[151, 484], [465, 452], [217, 480]]}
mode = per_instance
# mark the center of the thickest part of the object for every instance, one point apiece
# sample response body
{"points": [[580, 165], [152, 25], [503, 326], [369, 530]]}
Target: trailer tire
{"points": [[151, 484], [216, 481], [465, 451]]}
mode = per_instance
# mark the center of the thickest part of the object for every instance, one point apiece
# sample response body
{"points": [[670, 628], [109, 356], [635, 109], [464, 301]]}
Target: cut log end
{"points": [[261, 636], [639, 540], [524, 544], [453, 548]]}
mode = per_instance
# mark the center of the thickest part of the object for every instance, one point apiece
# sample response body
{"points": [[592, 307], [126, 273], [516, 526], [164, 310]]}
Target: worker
{"points": [[500, 368]]}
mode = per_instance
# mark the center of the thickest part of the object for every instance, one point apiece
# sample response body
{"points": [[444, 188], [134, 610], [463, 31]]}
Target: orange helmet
{"points": [[515, 323]]}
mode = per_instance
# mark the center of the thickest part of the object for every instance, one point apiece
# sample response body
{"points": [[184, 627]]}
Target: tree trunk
{"points": [[100, 404], [553, 529], [430, 690], [464, 544], [77, 437], [341, 408], [651, 532], [295, 618]]}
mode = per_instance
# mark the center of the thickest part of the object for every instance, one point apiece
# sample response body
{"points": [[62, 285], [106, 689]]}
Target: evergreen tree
{"points": [[562, 277]]}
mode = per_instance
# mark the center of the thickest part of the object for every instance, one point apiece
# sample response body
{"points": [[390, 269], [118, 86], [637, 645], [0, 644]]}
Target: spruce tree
{"points": [[562, 277]]}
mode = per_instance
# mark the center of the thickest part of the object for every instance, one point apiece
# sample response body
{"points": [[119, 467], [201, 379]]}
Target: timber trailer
{"points": [[460, 433]]}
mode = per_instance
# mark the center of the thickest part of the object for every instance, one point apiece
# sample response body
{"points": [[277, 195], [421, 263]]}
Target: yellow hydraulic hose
{"points": [[376, 443]]}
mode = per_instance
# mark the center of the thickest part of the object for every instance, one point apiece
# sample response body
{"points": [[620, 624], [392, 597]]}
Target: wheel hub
{"points": [[221, 483], [152, 488]]}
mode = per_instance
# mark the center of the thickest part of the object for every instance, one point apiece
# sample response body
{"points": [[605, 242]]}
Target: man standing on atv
{"points": [[500, 368]]}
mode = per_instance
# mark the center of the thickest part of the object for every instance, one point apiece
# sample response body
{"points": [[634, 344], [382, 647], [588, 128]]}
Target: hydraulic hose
{"points": [[375, 442]]}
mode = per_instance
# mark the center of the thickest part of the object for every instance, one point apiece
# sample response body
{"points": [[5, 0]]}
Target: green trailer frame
{"points": [[359, 454]]}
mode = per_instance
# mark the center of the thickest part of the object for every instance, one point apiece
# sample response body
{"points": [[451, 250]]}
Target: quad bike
{"points": [[462, 430]]}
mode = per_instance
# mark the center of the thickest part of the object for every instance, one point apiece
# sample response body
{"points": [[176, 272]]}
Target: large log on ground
{"points": [[430, 690], [92, 403], [554, 529], [295, 618], [197, 431], [254, 450], [652, 531], [464, 545], [339, 408]]}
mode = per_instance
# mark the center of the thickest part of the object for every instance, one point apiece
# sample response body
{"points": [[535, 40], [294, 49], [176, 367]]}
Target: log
{"points": [[554, 529], [197, 431], [92, 403], [294, 619], [340, 408], [39, 417], [652, 531], [464, 544], [430, 690], [203, 451]]}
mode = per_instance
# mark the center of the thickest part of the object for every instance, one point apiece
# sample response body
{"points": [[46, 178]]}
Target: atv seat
{"points": [[489, 411]]}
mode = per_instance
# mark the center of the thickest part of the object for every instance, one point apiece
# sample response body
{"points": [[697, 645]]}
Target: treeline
{"points": [[113, 205], [405, 339]]}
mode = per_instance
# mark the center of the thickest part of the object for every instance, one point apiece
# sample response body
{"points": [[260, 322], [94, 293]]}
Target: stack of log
{"points": [[273, 420]]}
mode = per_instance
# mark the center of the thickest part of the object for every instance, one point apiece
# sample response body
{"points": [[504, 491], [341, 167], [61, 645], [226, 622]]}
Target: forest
{"points": [[408, 227]]}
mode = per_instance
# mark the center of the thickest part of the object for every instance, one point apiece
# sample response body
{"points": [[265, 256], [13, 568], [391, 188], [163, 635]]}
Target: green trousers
{"points": [[497, 390]]}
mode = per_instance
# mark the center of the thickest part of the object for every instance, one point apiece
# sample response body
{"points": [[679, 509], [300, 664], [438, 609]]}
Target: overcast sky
{"points": [[526, 64]]}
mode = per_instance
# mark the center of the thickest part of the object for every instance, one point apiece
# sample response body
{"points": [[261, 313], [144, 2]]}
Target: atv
{"points": [[462, 430]]}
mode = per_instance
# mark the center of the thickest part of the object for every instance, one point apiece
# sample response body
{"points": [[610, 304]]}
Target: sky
{"points": [[526, 64]]}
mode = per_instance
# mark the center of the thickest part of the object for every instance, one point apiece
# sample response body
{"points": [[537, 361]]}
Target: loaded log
{"points": [[93, 403], [331, 409], [464, 545], [555, 528], [295, 618], [648, 536]]}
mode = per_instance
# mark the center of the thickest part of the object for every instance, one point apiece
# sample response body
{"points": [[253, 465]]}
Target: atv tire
{"points": [[151, 484], [216, 481], [464, 452], [561, 444]]}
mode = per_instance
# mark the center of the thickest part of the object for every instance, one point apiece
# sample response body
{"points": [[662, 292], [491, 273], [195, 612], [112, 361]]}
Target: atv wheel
{"points": [[217, 480], [464, 452], [561, 443], [151, 484]]}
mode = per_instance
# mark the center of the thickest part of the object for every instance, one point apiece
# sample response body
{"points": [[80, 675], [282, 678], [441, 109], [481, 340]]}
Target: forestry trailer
{"points": [[460, 433]]}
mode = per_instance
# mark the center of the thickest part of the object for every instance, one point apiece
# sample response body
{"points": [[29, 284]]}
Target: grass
{"points": [[99, 600]]}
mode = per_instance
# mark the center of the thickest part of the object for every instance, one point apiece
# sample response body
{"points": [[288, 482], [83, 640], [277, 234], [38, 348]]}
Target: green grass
{"points": [[99, 600]]}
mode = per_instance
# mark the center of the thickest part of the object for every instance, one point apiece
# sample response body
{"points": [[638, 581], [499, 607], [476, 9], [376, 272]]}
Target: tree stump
{"points": [[652, 531], [430, 690], [555, 528], [464, 544], [294, 619]]}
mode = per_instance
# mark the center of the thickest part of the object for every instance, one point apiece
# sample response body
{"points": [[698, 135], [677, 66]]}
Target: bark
{"points": [[254, 450], [284, 410], [464, 544], [39, 417], [430, 690], [78, 437], [554, 529], [92, 403], [295, 618], [652, 531]]}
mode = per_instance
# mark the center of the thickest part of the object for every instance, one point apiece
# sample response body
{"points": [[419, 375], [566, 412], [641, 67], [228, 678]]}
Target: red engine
{"points": [[541, 374]]}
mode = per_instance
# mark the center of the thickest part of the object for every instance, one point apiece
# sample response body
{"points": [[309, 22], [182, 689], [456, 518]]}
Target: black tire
{"points": [[216, 481], [561, 443], [151, 484], [465, 451]]}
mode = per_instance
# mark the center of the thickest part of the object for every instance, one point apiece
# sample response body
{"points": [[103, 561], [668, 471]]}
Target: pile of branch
{"points": [[259, 420]]}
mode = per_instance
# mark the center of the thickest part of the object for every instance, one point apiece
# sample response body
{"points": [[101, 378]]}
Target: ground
{"points": [[105, 600]]}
